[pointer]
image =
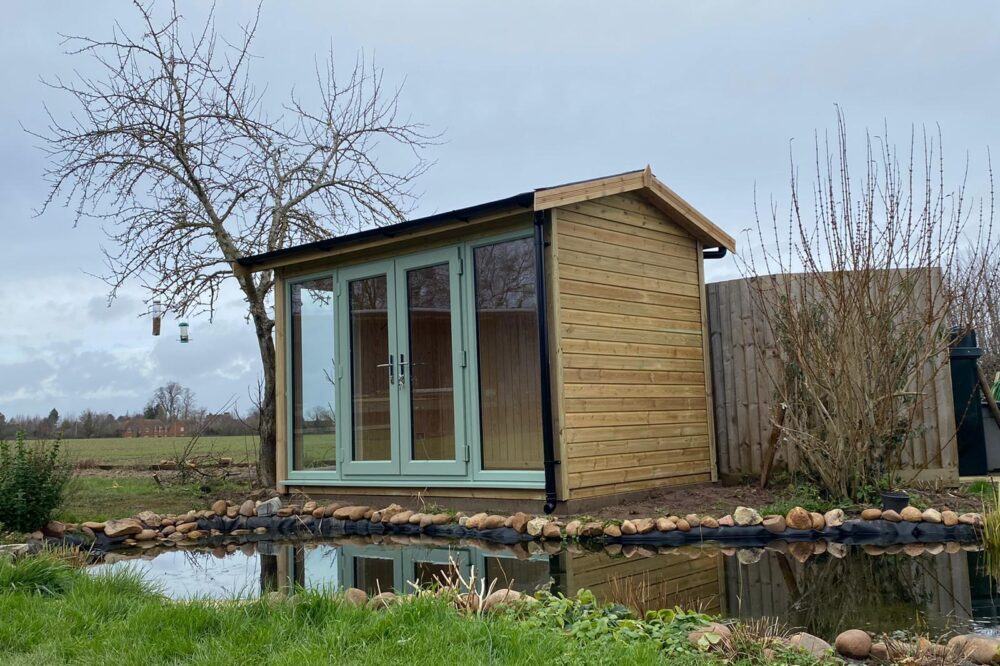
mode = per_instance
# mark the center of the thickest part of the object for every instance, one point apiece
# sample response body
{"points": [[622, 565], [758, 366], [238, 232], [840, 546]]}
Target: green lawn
{"points": [[60, 616], [123, 451], [104, 497]]}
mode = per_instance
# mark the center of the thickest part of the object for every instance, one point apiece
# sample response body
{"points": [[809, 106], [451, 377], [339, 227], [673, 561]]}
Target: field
{"points": [[145, 451]]}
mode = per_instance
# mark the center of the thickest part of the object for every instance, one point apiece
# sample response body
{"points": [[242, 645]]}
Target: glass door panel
{"points": [[430, 372], [370, 342]]}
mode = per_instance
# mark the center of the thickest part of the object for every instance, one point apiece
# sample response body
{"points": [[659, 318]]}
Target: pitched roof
{"points": [[641, 181]]}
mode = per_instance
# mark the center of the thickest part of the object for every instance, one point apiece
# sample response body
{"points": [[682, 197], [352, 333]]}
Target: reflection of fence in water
{"points": [[824, 595]]}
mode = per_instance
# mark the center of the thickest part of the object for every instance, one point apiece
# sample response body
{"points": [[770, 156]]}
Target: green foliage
{"points": [[45, 574], [583, 618], [33, 478], [806, 495]]}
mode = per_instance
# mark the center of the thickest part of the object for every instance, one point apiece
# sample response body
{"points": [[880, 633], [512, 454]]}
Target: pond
{"points": [[819, 588]]}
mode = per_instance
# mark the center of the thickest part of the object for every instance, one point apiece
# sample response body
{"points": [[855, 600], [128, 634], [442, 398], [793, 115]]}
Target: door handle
{"points": [[402, 369], [391, 367]]}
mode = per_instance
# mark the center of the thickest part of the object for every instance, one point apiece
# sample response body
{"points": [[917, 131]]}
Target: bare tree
{"points": [[860, 289], [172, 148], [172, 402]]}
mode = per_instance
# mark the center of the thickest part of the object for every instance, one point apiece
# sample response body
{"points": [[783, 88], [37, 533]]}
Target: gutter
{"points": [[541, 303], [716, 253]]}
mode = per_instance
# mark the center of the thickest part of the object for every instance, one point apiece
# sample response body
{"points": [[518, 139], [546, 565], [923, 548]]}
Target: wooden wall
{"points": [[742, 349], [631, 360]]}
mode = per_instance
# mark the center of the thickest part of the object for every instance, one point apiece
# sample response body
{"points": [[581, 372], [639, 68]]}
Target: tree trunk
{"points": [[268, 431]]}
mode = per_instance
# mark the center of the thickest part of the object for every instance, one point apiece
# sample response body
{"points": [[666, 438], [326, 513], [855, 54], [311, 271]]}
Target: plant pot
{"points": [[897, 500]]}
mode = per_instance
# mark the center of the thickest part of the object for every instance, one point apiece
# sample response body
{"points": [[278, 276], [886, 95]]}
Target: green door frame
{"points": [[466, 470]]}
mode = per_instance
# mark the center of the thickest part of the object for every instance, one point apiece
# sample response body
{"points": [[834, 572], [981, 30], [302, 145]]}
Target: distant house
{"points": [[547, 346], [154, 428]]}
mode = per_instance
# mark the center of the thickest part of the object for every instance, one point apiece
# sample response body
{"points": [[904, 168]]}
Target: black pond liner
{"points": [[852, 532]]}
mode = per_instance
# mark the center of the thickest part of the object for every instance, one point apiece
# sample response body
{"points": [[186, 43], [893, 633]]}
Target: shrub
{"points": [[33, 480]]}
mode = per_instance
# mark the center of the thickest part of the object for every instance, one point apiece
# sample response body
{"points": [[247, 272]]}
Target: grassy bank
{"points": [[102, 498], [55, 614], [131, 451]]}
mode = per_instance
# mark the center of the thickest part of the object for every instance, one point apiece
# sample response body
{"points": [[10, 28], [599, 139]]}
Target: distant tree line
{"points": [[169, 403]]}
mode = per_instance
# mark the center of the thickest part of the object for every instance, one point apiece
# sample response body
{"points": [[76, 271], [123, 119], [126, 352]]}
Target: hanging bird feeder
{"points": [[157, 312], [184, 332]]}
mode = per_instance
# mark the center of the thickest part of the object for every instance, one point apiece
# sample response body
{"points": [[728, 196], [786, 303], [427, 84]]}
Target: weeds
{"points": [[33, 480]]}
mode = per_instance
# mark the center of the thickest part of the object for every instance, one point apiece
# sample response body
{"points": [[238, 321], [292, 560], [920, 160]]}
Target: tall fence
{"points": [[744, 358]]}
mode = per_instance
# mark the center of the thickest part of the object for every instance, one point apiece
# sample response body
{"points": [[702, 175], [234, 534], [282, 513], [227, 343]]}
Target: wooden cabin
{"points": [[546, 347]]}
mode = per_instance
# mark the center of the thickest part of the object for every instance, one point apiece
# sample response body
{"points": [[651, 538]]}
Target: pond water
{"points": [[817, 588]]}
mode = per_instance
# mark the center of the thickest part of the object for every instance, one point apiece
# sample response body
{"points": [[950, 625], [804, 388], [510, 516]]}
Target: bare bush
{"points": [[853, 290]]}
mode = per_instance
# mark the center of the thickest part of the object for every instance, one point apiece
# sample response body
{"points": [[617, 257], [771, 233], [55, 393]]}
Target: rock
{"points": [[949, 518], [493, 522], [219, 507], [169, 529], [355, 597], [801, 550], [269, 507], [818, 521], [500, 598], [970, 519], [55, 529], [146, 535], [891, 516], [693, 520], [644, 525], [592, 529], [232, 512], [426, 520], [628, 527], [416, 518], [665, 525], [727, 521], [288, 511], [551, 531], [798, 519], [535, 525], [390, 511], [683, 525], [815, 646], [612, 530], [853, 643], [382, 600], [975, 648], [744, 516], [149, 519], [248, 509], [114, 529], [350, 512], [834, 517], [775, 524], [519, 522], [99, 527], [708, 522], [879, 652], [913, 549], [837, 550], [749, 555], [184, 528], [440, 519], [309, 506], [911, 514], [931, 516], [194, 535], [475, 520], [573, 528], [871, 514]]}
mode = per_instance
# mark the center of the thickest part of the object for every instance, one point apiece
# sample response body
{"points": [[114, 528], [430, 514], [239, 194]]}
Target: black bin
{"points": [[965, 353]]}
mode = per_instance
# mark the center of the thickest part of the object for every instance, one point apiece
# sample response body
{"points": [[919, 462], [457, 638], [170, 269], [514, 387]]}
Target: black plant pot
{"points": [[897, 500]]}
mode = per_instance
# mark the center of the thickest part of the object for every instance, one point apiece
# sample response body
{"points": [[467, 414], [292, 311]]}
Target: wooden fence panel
{"points": [[742, 346]]}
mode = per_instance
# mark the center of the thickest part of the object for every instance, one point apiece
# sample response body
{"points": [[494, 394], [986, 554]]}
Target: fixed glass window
{"points": [[314, 390]]}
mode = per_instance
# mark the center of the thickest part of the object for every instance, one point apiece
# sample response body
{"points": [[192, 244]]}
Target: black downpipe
{"points": [[541, 303], [716, 253]]}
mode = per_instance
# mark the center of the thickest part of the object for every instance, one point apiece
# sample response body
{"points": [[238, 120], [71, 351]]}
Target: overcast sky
{"points": [[528, 94]]}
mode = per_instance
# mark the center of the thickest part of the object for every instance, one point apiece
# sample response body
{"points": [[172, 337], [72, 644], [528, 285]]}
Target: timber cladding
{"points": [[629, 318]]}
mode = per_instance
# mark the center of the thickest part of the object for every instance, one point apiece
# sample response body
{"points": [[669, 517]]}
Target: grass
{"points": [[116, 619], [805, 495], [104, 497], [144, 451]]}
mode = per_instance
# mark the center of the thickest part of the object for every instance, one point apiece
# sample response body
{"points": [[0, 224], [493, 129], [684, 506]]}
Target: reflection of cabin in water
{"points": [[547, 346]]}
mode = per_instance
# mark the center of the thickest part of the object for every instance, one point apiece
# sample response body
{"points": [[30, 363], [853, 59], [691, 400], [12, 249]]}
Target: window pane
{"points": [[432, 386], [370, 383], [314, 393], [509, 369]]}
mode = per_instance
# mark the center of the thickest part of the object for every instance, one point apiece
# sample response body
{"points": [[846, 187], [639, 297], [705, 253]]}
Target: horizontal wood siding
{"points": [[631, 349]]}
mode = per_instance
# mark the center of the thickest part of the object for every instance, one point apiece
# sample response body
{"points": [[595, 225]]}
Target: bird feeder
{"points": [[184, 332], [157, 313]]}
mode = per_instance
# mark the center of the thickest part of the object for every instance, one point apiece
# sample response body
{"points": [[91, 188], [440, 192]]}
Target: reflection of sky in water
{"points": [[184, 575], [321, 568]]}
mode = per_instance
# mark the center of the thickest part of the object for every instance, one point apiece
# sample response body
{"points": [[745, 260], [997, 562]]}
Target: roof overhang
{"points": [[642, 182]]}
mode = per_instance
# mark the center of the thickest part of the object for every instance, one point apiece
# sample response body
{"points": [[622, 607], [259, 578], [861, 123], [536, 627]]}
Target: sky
{"points": [[714, 95]]}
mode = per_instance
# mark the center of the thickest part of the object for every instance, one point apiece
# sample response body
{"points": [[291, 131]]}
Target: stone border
{"points": [[745, 528]]}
